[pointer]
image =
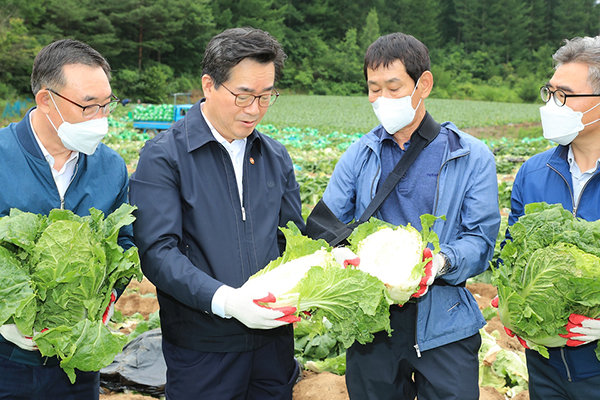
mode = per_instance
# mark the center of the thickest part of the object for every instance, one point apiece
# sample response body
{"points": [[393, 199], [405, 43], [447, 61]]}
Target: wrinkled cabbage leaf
{"points": [[57, 273], [550, 269]]}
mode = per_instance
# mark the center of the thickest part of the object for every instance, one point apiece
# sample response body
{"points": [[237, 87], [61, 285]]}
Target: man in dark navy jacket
{"points": [[212, 192], [569, 175]]}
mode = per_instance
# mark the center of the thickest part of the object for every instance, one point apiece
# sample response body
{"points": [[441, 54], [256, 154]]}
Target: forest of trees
{"points": [[480, 49]]}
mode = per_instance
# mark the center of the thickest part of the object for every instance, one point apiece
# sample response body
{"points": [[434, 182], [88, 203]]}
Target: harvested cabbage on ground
{"points": [[57, 273], [394, 254], [550, 269]]}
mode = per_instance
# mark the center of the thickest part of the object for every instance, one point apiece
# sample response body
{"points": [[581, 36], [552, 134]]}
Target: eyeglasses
{"points": [[91, 110], [246, 100], [560, 97]]}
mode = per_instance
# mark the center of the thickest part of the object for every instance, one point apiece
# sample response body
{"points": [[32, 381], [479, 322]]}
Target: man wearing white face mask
{"points": [[567, 174], [52, 159], [432, 353]]}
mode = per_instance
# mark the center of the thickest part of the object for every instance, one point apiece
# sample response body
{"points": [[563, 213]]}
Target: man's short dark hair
{"points": [[398, 46], [230, 47], [49, 62]]}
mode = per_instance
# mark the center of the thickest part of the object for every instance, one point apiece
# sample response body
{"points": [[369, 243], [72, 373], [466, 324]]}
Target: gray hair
{"points": [[230, 47], [585, 50], [49, 62]]}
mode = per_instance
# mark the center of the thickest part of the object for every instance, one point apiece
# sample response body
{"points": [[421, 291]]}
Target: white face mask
{"points": [[83, 136], [562, 124], [395, 114]]}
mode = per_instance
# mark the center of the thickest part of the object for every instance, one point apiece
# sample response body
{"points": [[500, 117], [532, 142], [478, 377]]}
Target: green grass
{"points": [[355, 114]]}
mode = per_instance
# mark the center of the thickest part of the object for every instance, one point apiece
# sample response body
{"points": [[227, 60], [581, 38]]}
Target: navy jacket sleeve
{"points": [[158, 230]]}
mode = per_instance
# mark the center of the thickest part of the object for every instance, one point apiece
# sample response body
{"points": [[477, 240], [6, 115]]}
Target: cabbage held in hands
{"points": [[57, 273], [309, 278], [550, 269], [394, 254]]}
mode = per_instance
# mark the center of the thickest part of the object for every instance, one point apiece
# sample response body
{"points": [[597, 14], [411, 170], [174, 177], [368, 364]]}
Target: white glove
{"points": [[242, 304], [14, 335], [344, 256], [432, 269]]}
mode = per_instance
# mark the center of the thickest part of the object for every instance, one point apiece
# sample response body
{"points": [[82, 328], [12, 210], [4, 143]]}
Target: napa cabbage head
{"points": [[394, 254], [57, 273], [308, 277], [550, 269]]}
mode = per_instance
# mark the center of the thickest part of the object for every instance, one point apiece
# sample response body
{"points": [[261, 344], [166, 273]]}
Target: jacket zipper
{"points": [[416, 346], [437, 196], [568, 186], [62, 198], [579, 201], [564, 360]]}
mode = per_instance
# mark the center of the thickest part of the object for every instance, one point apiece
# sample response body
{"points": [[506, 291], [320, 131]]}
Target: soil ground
{"points": [[141, 297]]}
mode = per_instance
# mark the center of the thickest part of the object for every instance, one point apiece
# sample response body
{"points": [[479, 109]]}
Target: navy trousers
{"points": [[545, 383], [267, 373], [27, 382], [389, 368]]}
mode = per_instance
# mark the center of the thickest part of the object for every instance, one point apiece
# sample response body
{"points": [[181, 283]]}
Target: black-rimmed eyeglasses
{"points": [[91, 110], [246, 100], [560, 97]]}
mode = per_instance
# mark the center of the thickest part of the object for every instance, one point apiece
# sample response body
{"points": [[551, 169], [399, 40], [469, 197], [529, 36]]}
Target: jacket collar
{"points": [[558, 160], [26, 138], [198, 133]]}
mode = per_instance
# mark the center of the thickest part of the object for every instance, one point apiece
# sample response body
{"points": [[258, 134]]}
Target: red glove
{"points": [[110, 310], [431, 270], [581, 330], [510, 333], [288, 312], [345, 257]]}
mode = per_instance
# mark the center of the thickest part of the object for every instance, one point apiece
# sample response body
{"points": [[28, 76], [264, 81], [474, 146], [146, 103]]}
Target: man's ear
{"points": [[42, 99], [425, 84], [208, 85]]}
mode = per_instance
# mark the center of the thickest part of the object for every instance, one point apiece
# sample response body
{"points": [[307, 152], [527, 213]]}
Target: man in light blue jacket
{"points": [[432, 352]]}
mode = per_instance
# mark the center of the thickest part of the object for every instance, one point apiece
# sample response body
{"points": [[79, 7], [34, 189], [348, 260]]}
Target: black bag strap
{"points": [[425, 134]]}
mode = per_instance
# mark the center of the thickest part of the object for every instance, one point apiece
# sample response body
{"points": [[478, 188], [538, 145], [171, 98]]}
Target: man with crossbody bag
{"points": [[432, 352]]}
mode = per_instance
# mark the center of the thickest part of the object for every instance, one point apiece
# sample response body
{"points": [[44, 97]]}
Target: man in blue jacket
{"points": [[567, 174], [51, 159], [432, 353], [212, 193]]}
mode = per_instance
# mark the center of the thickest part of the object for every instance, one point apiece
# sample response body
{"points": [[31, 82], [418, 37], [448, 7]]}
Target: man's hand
{"points": [[14, 335], [345, 257], [110, 310], [509, 332], [581, 330], [432, 268], [243, 305]]}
